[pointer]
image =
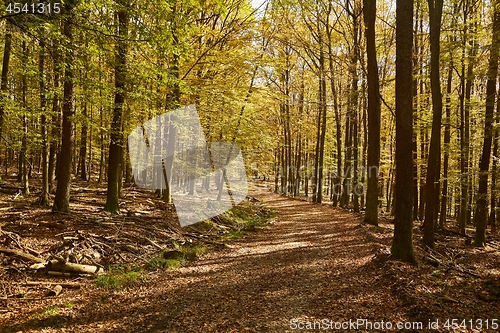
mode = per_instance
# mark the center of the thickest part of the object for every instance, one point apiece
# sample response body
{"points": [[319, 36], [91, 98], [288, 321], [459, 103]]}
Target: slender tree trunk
{"points": [[364, 147], [494, 167], [433, 165], [24, 146], [56, 116], [89, 163], [421, 107], [316, 151], [4, 78], [44, 197], [276, 169], [447, 139], [116, 134], [83, 143], [322, 105], [467, 83], [371, 213], [402, 246], [416, 64], [61, 200], [346, 172], [481, 216], [306, 163], [338, 122], [354, 98]]}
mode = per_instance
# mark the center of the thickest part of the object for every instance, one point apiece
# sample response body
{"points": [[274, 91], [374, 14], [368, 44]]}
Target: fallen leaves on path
{"points": [[314, 263]]}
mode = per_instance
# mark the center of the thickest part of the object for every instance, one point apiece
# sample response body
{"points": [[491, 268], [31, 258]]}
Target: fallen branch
{"points": [[432, 258], [22, 255], [66, 268], [206, 240]]}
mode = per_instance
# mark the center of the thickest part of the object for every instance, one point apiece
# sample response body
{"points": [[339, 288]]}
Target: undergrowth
{"points": [[246, 217], [120, 277]]}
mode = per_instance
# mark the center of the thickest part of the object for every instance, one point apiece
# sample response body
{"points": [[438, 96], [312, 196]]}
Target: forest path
{"points": [[315, 262]]}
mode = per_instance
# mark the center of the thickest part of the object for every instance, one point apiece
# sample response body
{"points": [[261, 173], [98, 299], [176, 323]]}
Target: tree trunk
{"points": [[433, 165], [481, 216], [466, 83], [5, 71], [56, 116], [371, 213], [61, 200], [416, 64], [402, 245], [44, 196], [494, 168], [83, 144], [23, 157], [447, 139], [116, 134], [322, 106]]}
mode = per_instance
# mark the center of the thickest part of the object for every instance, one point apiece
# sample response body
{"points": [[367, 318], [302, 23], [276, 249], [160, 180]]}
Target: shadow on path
{"points": [[316, 262]]}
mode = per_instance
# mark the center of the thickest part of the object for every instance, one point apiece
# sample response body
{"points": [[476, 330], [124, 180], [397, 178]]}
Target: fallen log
{"points": [[66, 267], [22, 255]]}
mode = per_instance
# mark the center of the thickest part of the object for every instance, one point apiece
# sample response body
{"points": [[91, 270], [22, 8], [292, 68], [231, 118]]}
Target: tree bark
{"points": [[371, 213], [61, 200], [83, 144], [447, 139], [5, 72], [494, 168], [433, 165], [481, 216], [44, 196], [23, 156], [56, 116], [467, 81], [402, 245], [116, 134]]}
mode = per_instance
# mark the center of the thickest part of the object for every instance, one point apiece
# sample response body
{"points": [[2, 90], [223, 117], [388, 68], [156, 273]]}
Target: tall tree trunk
{"points": [[116, 134], [338, 121], [4, 78], [56, 115], [481, 216], [465, 98], [276, 169], [421, 107], [354, 98], [44, 196], [23, 157], [494, 168], [416, 65], [433, 165], [346, 172], [61, 200], [83, 142], [371, 213], [402, 245], [447, 139], [322, 106]]}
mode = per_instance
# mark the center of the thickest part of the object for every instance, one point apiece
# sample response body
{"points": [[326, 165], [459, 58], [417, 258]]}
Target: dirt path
{"points": [[315, 262]]}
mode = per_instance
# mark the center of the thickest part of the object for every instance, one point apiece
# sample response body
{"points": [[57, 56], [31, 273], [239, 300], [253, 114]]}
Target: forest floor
{"points": [[313, 264]]}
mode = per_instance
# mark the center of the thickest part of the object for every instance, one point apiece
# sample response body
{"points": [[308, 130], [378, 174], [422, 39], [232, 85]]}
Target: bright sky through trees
{"points": [[257, 3]]}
